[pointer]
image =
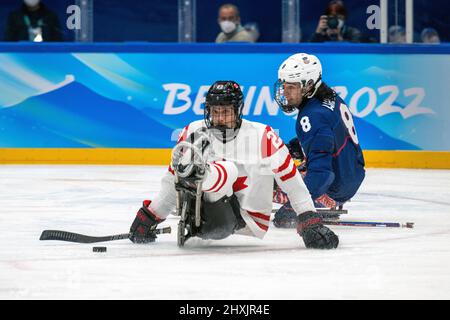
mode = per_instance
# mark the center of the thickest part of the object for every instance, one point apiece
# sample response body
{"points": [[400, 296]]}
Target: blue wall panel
{"points": [[140, 95]]}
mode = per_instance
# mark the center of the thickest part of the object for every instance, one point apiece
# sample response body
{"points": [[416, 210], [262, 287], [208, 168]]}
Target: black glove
{"points": [[314, 233], [295, 149], [285, 217], [144, 225]]}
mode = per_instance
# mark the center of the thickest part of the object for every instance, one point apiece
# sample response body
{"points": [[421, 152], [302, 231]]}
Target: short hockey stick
{"points": [[81, 238], [369, 224], [326, 211]]}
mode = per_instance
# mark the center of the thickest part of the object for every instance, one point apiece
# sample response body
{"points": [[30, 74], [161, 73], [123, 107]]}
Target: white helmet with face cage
{"points": [[301, 68]]}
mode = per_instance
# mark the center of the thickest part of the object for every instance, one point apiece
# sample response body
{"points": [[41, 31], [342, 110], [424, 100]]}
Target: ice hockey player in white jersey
{"points": [[242, 159]]}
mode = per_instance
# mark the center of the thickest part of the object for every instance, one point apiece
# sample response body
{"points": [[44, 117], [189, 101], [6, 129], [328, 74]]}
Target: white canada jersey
{"points": [[259, 155]]}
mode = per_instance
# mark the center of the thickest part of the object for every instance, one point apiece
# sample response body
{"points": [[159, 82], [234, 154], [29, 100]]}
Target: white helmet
{"points": [[302, 68]]}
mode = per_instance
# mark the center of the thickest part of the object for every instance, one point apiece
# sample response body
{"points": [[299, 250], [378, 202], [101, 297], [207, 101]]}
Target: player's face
{"points": [[293, 93], [223, 116]]}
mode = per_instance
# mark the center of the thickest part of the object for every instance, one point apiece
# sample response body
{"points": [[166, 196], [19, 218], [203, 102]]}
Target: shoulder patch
{"points": [[329, 104]]}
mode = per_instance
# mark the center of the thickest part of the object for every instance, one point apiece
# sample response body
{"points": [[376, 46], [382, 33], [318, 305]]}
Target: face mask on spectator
{"points": [[227, 26], [31, 3]]}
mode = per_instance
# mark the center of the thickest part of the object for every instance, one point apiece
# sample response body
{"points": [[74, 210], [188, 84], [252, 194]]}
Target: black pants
{"points": [[220, 219]]}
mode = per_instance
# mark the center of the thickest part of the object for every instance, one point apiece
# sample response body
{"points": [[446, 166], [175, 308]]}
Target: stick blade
{"points": [[63, 236], [81, 238]]}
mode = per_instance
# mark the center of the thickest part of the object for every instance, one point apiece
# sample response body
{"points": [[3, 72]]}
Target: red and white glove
{"points": [[144, 225], [324, 201]]}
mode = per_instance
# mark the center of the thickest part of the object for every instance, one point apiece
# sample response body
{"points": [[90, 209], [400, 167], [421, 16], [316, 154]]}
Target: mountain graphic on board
{"points": [[75, 116], [372, 138]]}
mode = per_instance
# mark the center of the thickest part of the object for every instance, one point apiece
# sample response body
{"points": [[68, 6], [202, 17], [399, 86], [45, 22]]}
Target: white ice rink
{"points": [[370, 263]]}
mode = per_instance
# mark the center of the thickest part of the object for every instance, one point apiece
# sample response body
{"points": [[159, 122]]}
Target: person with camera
{"points": [[332, 26]]}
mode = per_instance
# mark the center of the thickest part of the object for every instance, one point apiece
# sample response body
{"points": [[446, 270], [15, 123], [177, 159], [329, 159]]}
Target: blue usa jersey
{"points": [[334, 160]]}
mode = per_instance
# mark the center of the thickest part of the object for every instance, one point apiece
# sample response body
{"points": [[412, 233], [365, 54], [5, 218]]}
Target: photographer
{"points": [[332, 25]]}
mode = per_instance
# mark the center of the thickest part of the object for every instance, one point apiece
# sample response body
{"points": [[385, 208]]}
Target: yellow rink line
{"points": [[407, 159], [374, 158], [84, 156]]}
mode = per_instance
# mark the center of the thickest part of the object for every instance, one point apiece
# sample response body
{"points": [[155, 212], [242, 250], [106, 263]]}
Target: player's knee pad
{"points": [[220, 218]]}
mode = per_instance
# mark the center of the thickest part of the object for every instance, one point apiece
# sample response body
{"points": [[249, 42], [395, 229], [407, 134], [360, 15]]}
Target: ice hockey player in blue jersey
{"points": [[333, 167]]}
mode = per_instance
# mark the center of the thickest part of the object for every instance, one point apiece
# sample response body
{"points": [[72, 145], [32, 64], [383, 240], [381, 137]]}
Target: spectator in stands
{"points": [[33, 21], [396, 34], [332, 26], [430, 35], [253, 29], [230, 22]]}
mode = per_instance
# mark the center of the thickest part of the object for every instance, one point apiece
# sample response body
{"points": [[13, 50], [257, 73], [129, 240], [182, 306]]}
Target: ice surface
{"points": [[370, 263]]}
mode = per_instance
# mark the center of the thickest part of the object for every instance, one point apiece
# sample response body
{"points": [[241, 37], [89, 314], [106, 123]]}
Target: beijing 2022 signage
{"points": [[142, 100]]}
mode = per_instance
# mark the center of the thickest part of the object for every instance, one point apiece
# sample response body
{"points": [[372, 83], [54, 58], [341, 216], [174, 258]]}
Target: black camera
{"points": [[332, 22]]}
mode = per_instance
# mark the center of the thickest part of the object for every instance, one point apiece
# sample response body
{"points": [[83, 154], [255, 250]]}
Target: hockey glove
{"points": [[295, 150], [314, 233], [285, 217], [144, 225], [325, 201]]}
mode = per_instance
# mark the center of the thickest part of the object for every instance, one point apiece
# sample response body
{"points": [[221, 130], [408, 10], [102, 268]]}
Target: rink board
{"points": [[126, 103], [373, 158]]}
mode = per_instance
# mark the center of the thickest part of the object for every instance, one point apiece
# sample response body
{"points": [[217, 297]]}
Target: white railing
{"points": [[86, 31], [290, 16], [186, 21]]}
